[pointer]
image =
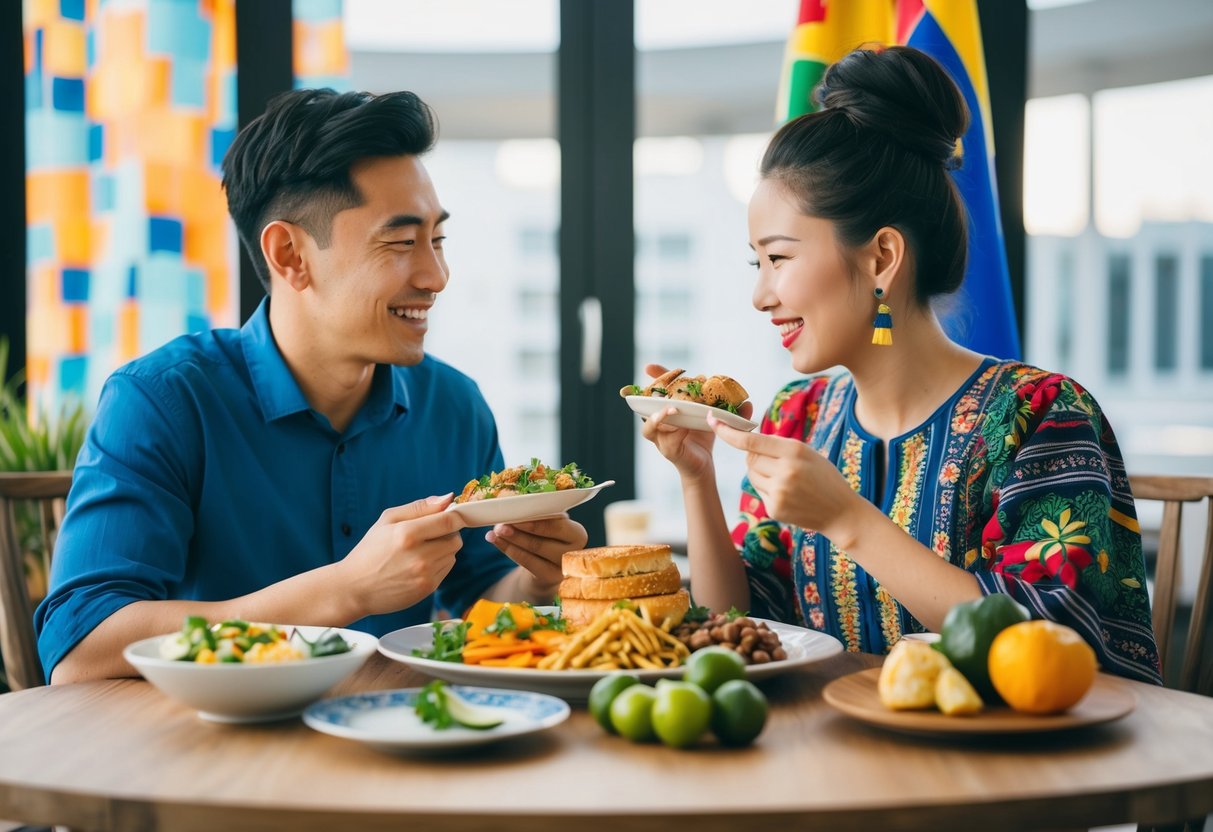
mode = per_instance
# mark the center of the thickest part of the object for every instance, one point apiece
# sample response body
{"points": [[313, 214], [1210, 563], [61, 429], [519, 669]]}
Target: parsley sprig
{"points": [[448, 642]]}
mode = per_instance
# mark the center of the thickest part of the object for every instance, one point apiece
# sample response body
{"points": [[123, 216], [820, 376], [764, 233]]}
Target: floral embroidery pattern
{"points": [[846, 598], [1061, 553], [1028, 487]]}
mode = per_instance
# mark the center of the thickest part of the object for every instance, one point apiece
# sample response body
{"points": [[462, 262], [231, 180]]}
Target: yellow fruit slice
{"points": [[907, 678], [954, 695]]}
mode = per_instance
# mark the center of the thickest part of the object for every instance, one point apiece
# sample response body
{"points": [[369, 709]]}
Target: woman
{"points": [[925, 475]]}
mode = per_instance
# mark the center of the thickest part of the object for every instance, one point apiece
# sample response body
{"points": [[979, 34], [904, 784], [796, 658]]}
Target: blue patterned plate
{"points": [[386, 720]]}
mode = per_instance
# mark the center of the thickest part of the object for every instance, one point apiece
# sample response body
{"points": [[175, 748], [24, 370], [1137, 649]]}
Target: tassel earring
{"points": [[882, 334]]}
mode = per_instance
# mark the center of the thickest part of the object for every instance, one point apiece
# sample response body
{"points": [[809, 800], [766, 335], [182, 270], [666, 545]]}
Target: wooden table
{"points": [[119, 755]]}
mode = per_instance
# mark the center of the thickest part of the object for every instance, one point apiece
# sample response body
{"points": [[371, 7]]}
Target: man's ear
{"points": [[282, 244], [887, 258]]}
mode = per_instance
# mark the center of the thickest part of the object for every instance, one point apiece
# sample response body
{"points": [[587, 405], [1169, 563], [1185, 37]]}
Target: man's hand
{"points": [[404, 556], [538, 547]]}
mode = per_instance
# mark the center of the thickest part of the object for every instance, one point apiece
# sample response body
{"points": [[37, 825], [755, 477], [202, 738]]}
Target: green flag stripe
{"points": [[805, 77]]}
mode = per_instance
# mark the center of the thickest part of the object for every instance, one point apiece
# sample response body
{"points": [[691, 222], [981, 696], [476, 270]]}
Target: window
{"points": [[1166, 301], [675, 248], [1119, 290], [534, 363], [1065, 308], [1206, 312], [537, 242], [535, 304]]}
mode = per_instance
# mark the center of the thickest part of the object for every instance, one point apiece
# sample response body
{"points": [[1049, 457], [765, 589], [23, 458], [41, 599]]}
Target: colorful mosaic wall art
{"points": [[130, 107]]}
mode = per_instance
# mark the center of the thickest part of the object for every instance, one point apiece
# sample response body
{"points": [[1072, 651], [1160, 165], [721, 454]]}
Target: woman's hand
{"points": [[689, 450], [798, 485]]}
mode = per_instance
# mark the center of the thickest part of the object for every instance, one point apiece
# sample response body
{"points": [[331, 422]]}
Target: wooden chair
{"points": [[1196, 673], [46, 490]]}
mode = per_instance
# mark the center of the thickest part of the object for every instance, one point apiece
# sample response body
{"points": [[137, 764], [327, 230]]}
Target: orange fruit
{"points": [[1040, 667]]}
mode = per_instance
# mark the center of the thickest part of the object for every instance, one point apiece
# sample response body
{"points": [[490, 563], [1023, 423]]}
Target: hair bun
{"points": [[901, 93]]}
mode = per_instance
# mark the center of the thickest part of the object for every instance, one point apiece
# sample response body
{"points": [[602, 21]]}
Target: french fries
{"points": [[618, 639]]}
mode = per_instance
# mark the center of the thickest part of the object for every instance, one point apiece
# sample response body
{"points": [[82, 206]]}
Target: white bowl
{"points": [[230, 692]]}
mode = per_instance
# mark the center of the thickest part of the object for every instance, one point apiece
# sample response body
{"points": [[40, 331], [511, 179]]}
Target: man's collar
{"points": [[279, 394], [277, 391]]}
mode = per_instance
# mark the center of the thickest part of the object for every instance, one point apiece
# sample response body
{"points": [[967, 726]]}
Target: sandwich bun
{"points": [[662, 582], [615, 561]]}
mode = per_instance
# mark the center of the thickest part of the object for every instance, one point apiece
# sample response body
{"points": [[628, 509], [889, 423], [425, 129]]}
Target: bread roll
{"points": [[663, 582], [671, 607], [615, 561]]}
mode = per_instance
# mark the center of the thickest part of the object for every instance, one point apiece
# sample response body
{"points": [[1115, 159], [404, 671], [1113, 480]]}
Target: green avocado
{"points": [[969, 630]]}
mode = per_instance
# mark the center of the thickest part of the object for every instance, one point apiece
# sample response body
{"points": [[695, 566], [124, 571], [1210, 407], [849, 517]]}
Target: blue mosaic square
{"points": [[195, 291], [132, 282], [176, 29], [221, 140], [39, 36], [316, 10], [340, 83], [55, 139], [75, 285], [72, 371], [39, 243], [33, 92], [188, 85], [71, 9], [102, 192], [96, 142], [162, 283], [164, 234], [67, 94]]}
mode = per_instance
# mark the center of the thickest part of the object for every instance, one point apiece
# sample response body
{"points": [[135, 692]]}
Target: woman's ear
{"points": [[282, 245], [888, 255]]}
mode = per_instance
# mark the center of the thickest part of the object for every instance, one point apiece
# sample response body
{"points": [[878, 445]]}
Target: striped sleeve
{"points": [[1065, 538]]}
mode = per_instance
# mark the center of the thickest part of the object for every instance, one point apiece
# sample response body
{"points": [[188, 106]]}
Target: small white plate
{"points": [[804, 647], [526, 506], [386, 719], [691, 415]]}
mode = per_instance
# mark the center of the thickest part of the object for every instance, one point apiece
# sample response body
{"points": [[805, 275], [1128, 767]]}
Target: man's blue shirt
{"points": [[206, 476]]}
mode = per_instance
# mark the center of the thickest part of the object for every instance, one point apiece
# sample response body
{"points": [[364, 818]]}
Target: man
{"points": [[287, 471]]}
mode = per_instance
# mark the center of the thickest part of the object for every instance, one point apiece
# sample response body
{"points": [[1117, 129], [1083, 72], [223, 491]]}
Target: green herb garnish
{"points": [[697, 613], [448, 642], [431, 705]]}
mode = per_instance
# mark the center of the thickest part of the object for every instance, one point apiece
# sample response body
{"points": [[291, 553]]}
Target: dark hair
{"points": [[878, 153], [293, 161]]}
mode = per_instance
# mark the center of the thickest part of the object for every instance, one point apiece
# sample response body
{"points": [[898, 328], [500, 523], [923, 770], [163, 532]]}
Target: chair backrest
{"points": [[43, 493], [1173, 492]]}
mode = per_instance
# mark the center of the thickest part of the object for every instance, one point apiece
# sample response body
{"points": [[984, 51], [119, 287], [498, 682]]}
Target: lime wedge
{"points": [[472, 716]]}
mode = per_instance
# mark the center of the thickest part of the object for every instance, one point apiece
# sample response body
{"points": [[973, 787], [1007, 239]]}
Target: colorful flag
{"points": [[982, 315]]}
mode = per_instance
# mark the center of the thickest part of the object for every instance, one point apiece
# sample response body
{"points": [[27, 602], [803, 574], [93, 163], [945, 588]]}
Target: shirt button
{"points": [[345, 529], [341, 448]]}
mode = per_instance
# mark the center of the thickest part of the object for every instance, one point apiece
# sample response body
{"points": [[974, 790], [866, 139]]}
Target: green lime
{"points": [[969, 630], [632, 713], [681, 713], [711, 667], [603, 694], [739, 712]]}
